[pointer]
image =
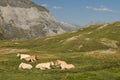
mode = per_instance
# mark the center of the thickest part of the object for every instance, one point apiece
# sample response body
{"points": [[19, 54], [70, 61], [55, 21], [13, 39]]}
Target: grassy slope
{"points": [[88, 37], [88, 66]]}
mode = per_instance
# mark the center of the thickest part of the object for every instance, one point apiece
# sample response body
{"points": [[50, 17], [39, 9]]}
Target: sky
{"points": [[83, 12]]}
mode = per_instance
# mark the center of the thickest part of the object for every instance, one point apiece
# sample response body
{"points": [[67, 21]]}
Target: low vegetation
{"points": [[93, 60]]}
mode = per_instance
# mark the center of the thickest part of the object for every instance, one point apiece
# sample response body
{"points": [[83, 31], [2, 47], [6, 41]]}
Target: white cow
{"points": [[22, 56], [32, 58], [44, 66], [66, 66], [25, 66], [59, 62]]}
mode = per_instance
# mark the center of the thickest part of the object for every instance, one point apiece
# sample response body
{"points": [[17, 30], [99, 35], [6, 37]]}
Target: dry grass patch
{"points": [[109, 51], [71, 39], [103, 26], [49, 38], [104, 54], [109, 43], [9, 50], [44, 56], [108, 57]]}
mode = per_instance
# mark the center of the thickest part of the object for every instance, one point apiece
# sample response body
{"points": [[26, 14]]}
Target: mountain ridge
{"points": [[21, 4]]}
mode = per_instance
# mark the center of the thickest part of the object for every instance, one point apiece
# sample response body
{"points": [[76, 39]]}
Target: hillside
{"points": [[91, 38]]}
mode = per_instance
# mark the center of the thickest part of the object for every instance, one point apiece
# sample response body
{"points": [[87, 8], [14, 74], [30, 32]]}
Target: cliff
{"points": [[23, 19]]}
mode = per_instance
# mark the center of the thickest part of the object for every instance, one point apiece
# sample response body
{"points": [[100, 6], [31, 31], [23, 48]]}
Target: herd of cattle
{"points": [[48, 65]]}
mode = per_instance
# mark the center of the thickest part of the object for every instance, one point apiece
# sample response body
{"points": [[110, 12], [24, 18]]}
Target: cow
{"points": [[44, 66], [22, 56], [66, 66], [59, 62], [31, 58], [25, 66]]}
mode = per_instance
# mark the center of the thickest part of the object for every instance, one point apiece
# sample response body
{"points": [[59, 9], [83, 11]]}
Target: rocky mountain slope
{"points": [[23, 19]]}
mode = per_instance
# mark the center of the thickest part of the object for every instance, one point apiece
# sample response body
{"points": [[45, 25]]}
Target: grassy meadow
{"points": [[88, 49]]}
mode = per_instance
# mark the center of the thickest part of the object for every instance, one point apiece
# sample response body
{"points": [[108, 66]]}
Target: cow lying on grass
{"points": [[48, 65], [25, 66], [44, 66], [59, 62], [66, 66], [63, 65]]}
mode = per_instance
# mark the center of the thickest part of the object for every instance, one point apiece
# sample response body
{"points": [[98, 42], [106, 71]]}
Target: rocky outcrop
{"points": [[22, 19]]}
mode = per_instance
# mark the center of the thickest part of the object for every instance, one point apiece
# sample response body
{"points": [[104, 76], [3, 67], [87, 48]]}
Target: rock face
{"points": [[22, 19]]}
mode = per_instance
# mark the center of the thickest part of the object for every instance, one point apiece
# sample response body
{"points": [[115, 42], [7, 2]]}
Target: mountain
{"points": [[23, 19]]}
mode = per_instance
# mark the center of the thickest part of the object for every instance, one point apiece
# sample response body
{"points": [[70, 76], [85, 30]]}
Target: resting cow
{"points": [[22, 56], [59, 62], [25, 66], [66, 66], [63, 65], [44, 66]]}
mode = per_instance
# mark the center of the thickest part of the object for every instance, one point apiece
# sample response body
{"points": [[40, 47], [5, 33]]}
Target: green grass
{"points": [[87, 66]]}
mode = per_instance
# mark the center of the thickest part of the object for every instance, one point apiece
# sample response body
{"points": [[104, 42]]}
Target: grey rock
{"points": [[23, 19]]}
